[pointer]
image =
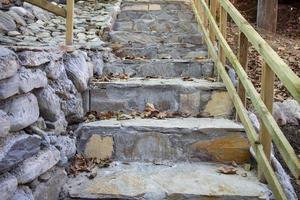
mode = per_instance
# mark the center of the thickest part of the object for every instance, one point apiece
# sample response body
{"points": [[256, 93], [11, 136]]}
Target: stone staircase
{"points": [[171, 158]]}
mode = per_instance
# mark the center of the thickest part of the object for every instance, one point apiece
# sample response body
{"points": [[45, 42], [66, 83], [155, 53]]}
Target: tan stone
{"points": [[220, 105], [190, 103], [141, 7], [233, 147], [154, 7], [100, 147]]}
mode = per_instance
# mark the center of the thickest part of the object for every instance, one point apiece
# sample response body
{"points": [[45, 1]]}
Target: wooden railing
{"points": [[215, 34], [67, 13]]}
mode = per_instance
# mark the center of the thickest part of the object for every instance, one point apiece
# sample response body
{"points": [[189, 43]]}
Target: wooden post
{"points": [[213, 10], [223, 29], [267, 93], [69, 22], [205, 20], [243, 59], [267, 14]]}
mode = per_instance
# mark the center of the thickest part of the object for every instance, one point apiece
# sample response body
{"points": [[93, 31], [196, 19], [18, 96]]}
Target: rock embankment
{"points": [[41, 93]]}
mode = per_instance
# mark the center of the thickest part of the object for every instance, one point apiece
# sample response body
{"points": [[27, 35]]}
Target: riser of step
{"points": [[168, 140], [183, 181], [160, 26], [142, 38], [174, 51], [155, 6], [161, 68], [157, 15], [166, 94]]}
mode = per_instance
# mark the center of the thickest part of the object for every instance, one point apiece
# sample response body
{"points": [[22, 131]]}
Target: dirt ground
{"points": [[286, 42]]}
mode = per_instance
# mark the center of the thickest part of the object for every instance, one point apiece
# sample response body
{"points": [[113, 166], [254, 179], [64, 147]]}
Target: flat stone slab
{"points": [[142, 38], [157, 182], [173, 94], [175, 139], [162, 68], [160, 26], [163, 51]]}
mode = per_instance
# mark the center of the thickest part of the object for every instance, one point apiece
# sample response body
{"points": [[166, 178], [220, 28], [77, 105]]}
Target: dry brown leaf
{"points": [[227, 170]]}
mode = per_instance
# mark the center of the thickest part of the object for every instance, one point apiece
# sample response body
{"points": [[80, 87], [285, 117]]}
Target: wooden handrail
{"points": [[290, 80], [268, 121], [251, 133], [49, 7]]}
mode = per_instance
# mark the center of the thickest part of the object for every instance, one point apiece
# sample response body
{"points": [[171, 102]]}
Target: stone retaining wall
{"points": [[40, 95]]}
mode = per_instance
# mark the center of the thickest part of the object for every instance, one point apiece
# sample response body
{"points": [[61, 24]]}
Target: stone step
{"points": [[159, 26], [173, 15], [163, 51], [167, 68], [172, 94], [156, 6], [139, 39], [164, 140], [157, 182]]}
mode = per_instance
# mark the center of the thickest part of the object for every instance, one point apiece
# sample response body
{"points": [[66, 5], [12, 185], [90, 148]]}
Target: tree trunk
{"points": [[267, 14]]}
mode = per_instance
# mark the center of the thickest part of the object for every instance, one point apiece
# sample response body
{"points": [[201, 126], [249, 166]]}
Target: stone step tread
{"points": [[171, 139], [172, 181], [168, 125], [163, 82], [159, 51], [161, 68], [146, 37]]}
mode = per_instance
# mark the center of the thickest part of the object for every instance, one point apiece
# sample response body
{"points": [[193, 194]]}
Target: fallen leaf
{"points": [[227, 170]]}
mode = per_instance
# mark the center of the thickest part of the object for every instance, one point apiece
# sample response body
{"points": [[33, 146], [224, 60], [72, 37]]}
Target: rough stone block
{"points": [[220, 105], [8, 185], [49, 103], [50, 189], [233, 147], [17, 147], [24, 81], [99, 147], [4, 124], [77, 69], [33, 167], [23, 193], [8, 63], [137, 7], [190, 103], [23, 110]]}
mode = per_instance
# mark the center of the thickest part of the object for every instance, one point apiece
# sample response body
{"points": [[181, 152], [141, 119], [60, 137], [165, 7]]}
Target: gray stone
{"points": [[49, 104], [8, 63], [17, 18], [23, 82], [23, 193], [287, 112], [6, 22], [21, 11], [34, 58], [31, 79], [97, 60], [33, 167], [59, 126], [67, 148], [17, 147], [8, 185], [77, 70], [70, 98], [50, 189], [54, 70], [4, 124], [23, 110], [181, 181]]}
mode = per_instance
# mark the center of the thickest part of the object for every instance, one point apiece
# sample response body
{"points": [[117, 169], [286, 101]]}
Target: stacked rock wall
{"points": [[40, 95]]}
